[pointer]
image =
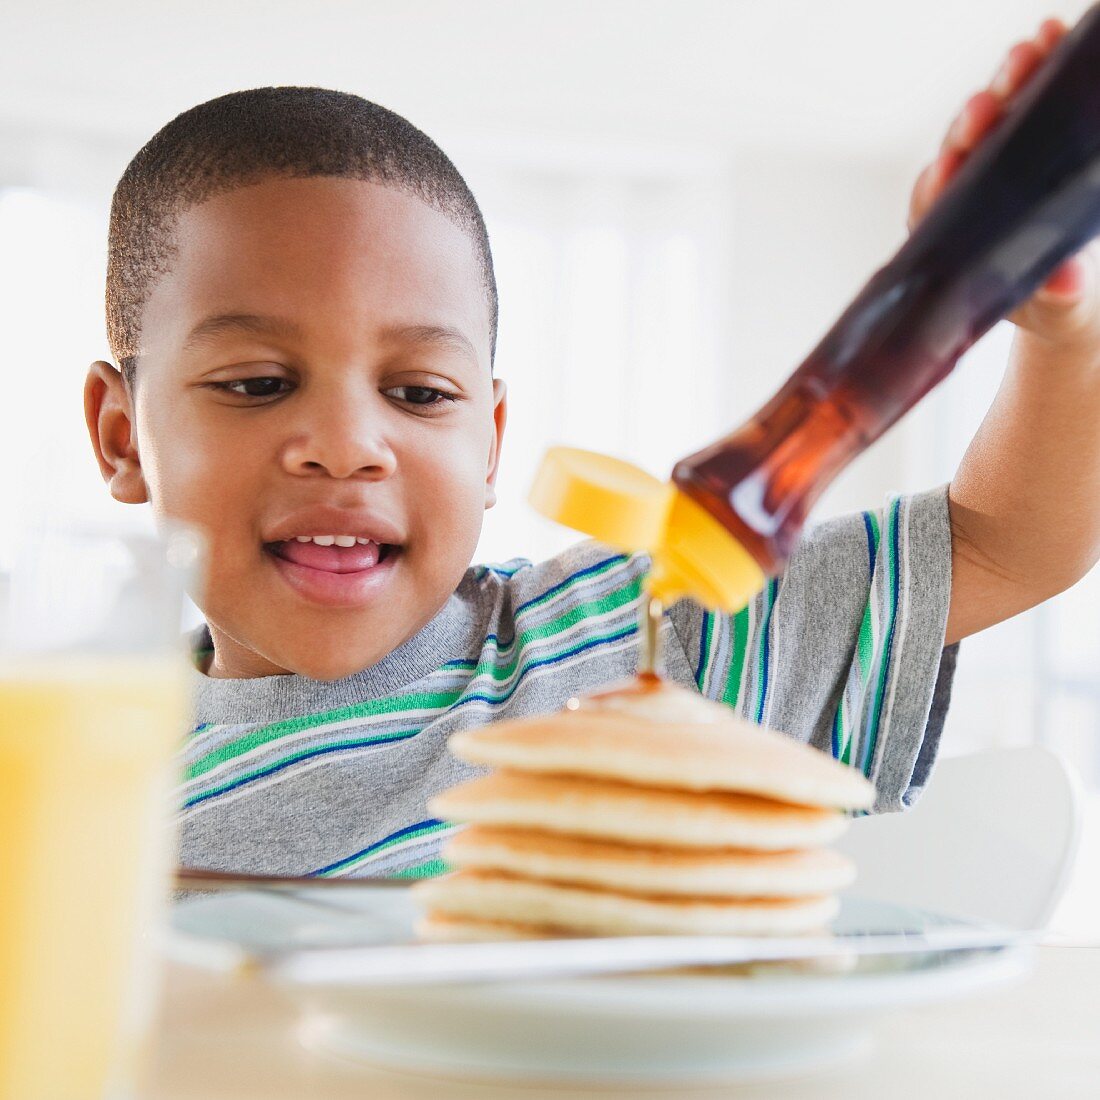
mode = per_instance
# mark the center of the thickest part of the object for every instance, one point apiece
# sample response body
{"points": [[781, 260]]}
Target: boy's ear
{"points": [[109, 414], [500, 419]]}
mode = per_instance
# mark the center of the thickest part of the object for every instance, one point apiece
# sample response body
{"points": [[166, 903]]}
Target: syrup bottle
{"points": [[1025, 200]]}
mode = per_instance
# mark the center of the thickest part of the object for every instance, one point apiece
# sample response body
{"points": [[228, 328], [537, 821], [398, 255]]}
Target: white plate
{"points": [[659, 1028]]}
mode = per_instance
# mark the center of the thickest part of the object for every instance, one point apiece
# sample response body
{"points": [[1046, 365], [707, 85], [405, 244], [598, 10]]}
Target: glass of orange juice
{"points": [[92, 708]]}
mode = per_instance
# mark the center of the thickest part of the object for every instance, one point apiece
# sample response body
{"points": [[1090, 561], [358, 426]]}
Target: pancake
{"points": [[658, 734], [639, 815], [723, 872], [444, 928], [441, 928], [491, 896]]}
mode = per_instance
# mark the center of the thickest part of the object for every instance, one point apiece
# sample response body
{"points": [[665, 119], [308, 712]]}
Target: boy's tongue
{"points": [[331, 559]]}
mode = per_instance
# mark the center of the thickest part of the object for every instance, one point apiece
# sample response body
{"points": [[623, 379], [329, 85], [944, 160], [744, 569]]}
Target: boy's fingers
{"points": [[931, 182], [949, 163], [918, 200], [975, 120], [1022, 60], [1067, 283], [980, 114], [982, 110], [1049, 34]]}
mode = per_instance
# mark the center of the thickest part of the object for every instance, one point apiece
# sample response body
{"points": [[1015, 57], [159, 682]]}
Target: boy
{"points": [[301, 298]]}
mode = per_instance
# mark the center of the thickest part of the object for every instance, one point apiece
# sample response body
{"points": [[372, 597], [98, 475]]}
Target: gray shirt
{"points": [[845, 651]]}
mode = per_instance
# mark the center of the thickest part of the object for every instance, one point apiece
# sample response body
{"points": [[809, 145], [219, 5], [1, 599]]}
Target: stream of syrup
{"points": [[650, 613]]}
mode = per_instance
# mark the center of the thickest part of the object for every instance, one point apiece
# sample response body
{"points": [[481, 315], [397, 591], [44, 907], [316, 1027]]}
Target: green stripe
{"points": [[856, 687], [865, 645], [356, 861], [573, 583], [598, 606], [293, 758], [428, 869], [740, 627], [618, 597], [875, 530], [704, 657], [884, 635], [845, 734], [394, 704], [428, 701]]}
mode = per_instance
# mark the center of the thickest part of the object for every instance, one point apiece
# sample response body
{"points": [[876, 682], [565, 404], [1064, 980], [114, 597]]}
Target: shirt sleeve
{"points": [[845, 649]]}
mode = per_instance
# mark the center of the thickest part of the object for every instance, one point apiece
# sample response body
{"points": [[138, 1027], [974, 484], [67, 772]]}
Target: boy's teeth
{"points": [[332, 540]]}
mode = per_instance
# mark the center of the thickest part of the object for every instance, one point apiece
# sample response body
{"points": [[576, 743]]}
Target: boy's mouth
{"points": [[333, 570], [330, 553]]}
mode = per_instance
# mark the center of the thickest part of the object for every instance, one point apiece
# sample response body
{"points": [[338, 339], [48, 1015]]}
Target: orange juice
{"points": [[86, 746]]}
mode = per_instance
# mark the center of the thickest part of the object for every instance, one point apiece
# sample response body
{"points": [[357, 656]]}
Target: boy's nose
{"points": [[340, 449]]}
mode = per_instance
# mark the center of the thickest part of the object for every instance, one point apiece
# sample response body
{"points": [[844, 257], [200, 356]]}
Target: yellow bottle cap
{"points": [[622, 505]]}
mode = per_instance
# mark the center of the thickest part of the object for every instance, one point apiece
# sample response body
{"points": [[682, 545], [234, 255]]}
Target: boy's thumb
{"points": [[1067, 306], [1069, 284], [1068, 303]]}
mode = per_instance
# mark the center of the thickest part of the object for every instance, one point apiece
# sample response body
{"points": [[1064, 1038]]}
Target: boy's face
{"points": [[352, 396]]}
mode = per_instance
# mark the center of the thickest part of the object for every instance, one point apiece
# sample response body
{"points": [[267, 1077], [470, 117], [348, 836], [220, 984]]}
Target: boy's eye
{"points": [[420, 395], [254, 387]]}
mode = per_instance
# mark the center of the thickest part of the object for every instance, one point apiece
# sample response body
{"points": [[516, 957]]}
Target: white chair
{"points": [[993, 837]]}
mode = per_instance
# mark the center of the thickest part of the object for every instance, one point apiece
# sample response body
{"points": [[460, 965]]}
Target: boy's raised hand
{"points": [[1066, 309]]}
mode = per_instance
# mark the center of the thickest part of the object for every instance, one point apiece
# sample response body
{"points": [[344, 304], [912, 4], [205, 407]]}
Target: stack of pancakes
{"points": [[643, 810]]}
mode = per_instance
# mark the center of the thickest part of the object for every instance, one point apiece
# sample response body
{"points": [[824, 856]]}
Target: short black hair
{"points": [[245, 137]]}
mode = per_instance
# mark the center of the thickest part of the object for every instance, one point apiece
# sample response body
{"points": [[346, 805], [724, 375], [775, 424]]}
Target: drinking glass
{"points": [[93, 705]]}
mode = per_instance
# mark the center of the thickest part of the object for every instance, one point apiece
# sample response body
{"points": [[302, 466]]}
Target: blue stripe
{"points": [[376, 845], [895, 534], [772, 590], [544, 597], [872, 549], [505, 647], [875, 717], [472, 698], [502, 647], [555, 659], [502, 570], [463, 662], [702, 650], [282, 765]]}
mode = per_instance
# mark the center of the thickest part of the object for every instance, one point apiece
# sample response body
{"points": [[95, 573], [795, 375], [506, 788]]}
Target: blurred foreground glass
{"points": [[92, 708]]}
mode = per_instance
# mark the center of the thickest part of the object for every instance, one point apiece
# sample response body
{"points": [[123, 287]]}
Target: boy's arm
{"points": [[1025, 501]]}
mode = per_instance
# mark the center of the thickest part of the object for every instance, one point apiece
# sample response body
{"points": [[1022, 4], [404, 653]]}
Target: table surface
{"points": [[232, 1039]]}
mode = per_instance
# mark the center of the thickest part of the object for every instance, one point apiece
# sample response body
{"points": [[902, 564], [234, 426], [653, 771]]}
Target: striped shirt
{"points": [[288, 775]]}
